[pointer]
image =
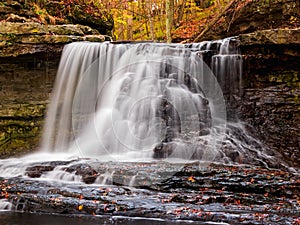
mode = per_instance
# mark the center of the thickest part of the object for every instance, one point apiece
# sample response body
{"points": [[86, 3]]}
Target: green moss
{"points": [[24, 110], [18, 136], [20, 128], [291, 78]]}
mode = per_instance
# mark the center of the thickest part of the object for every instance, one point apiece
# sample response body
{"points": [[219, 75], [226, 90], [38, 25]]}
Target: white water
{"points": [[5, 205], [107, 97], [60, 174]]}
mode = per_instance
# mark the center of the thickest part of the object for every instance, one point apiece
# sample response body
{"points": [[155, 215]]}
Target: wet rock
{"points": [[216, 193], [37, 171], [163, 150], [206, 55], [24, 38], [204, 131], [269, 100], [89, 175], [169, 114]]}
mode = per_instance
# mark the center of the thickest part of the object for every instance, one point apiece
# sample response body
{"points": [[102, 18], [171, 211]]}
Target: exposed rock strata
{"points": [[29, 57], [269, 100], [31, 37], [216, 194], [271, 37], [271, 89]]}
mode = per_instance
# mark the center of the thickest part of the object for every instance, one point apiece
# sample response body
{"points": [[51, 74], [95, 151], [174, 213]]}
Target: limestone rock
{"points": [[270, 98], [30, 37], [11, 29]]}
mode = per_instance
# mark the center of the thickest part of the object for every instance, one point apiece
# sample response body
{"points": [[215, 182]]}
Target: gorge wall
{"points": [[271, 89], [29, 59], [32, 36], [26, 83]]}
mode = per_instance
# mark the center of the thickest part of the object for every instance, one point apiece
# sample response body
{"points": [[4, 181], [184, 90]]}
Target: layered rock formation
{"points": [[31, 37], [30, 49], [271, 89]]}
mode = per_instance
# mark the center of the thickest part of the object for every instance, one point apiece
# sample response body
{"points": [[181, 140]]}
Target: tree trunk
{"points": [[130, 23], [180, 13], [150, 18], [210, 25], [169, 19]]}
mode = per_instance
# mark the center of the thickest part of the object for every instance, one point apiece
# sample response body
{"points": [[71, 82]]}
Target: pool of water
{"points": [[13, 218]]}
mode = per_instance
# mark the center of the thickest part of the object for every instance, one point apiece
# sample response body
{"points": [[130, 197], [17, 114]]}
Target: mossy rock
{"points": [[57, 12], [80, 12], [18, 137]]}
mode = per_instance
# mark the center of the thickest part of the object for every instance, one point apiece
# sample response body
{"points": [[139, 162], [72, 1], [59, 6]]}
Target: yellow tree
{"points": [[151, 19], [169, 19]]}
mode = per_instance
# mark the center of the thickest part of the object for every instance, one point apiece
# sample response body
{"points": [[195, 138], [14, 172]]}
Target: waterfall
{"points": [[114, 99], [145, 101]]}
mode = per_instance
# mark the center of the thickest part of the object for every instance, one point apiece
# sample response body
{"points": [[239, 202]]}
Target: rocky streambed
{"points": [[193, 192]]}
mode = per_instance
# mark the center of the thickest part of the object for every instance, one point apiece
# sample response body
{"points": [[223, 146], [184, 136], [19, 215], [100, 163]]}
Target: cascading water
{"points": [[136, 102], [124, 100], [5, 205], [144, 102]]}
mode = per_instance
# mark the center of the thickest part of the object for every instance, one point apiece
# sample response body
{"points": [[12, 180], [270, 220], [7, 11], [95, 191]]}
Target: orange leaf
{"points": [[191, 179]]}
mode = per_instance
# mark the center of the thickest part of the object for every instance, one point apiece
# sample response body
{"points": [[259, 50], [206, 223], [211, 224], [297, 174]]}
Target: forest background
{"points": [[156, 20], [161, 20]]}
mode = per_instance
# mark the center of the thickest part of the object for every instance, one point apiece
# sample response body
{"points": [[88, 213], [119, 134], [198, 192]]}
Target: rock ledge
{"points": [[31, 37], [271, 37]]}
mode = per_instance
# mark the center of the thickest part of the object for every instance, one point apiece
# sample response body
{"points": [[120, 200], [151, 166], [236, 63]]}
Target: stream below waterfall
{"points": [[155, 192], [46, 219]]}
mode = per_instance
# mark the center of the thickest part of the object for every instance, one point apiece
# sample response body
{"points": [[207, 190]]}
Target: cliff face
{"points": [[29, 58], [269, 41], [25, 85], [30, 37], [31, 42], [271, 89], [268, 100]]}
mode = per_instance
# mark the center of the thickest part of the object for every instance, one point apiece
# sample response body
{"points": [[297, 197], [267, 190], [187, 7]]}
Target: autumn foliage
{"points": [[157, 20]]}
